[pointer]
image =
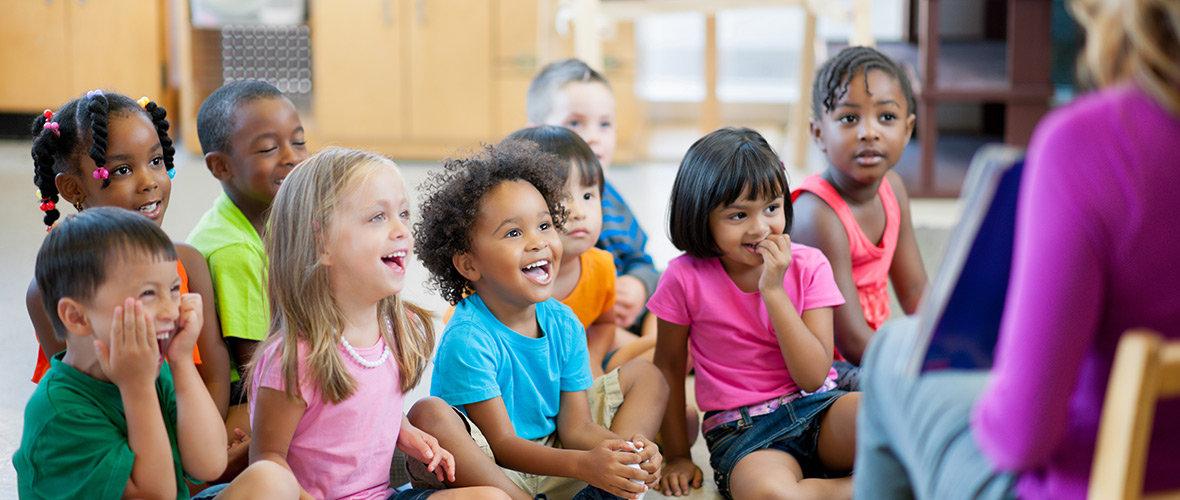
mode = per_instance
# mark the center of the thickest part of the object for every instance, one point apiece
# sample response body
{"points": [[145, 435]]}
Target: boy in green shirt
{"points": [[103, 422]]}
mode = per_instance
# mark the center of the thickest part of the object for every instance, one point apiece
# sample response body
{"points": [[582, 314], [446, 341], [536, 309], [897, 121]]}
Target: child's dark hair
{"points": [[552, 78], [60, 136], [76, 256], [717, 169], [832, 79], [569, 147], [451, 202], [215, 117]]}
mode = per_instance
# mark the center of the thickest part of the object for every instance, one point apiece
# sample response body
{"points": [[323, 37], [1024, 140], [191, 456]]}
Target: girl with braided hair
{"points": [[104, 149]]}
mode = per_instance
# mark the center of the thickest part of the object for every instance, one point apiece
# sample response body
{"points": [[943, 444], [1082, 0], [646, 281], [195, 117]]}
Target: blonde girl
{"points": [[328, 384]]}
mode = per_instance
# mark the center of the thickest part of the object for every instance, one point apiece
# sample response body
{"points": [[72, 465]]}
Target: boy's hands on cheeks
{"points": [[423, 447], [776, 259], [133, 357], [606, 467], [679, 477], [629, 296], [188, 328]]}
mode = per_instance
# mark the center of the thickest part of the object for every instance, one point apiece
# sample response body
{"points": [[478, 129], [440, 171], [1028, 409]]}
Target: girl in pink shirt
{"points": [[756, 312], [328, 384]]}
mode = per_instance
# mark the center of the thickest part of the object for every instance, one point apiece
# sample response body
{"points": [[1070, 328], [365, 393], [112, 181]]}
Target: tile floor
{"points": [[645, 186]]}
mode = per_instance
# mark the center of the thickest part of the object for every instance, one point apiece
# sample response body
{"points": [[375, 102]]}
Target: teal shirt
{"points": [[74, 443], [237, 264], [479, 359]]}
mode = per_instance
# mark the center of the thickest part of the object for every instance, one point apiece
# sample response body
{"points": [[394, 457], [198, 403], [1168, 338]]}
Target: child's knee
{"points": [[485, 493], [266, 479], [642, 373], [429, 409]]}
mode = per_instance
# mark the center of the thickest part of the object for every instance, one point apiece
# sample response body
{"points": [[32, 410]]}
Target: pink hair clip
{"points": [[101, 173], [54, 127], [48, 114], [143, 102]]}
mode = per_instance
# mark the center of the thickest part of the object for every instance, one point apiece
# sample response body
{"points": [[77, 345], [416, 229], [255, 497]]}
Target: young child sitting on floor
{"points": [[585, 278], [252, 138], [756, 310], [512, 357], [571, 94], [104, 421], [328, 384], [857, 211]]}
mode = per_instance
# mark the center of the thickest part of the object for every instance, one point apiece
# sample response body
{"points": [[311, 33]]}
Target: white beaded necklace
{"points": [[364, 362]]}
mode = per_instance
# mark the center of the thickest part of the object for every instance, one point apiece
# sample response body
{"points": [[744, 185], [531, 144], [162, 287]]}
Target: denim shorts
{"points": [[792, 428]]}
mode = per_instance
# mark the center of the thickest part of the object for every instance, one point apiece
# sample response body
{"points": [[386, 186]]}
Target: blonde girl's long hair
{"points": [[302, 303], [1136, 40]]}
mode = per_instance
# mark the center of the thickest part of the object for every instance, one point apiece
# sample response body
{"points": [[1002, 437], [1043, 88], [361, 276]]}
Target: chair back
{"points": [[1146, 369]]}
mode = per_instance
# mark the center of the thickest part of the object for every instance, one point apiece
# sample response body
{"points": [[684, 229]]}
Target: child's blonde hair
{"points": [[303, 304], [1135, 40]]}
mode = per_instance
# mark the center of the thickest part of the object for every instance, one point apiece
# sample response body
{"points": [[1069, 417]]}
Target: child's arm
{"points": [[906, 271], [818, 225], [601, 466], [599, 336], [425, 448], [131, 361], [805, 341], [671, 355], [280, 415], [42, 327], [200, 432], [215, 365]]}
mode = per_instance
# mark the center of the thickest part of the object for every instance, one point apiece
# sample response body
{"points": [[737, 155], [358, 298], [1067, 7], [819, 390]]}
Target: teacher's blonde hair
{"points": [[1132, 40]]}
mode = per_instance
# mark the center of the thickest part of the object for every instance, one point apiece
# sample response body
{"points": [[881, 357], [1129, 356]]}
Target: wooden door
{"points": [[516, 62], [357, 65], [117, 45], [449, 52], [34, 67]]}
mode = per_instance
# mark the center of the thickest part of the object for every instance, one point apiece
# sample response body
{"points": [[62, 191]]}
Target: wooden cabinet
{"points": [[54, 50], [424, 79]]}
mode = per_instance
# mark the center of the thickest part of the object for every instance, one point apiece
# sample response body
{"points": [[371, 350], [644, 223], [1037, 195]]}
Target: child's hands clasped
{"points": [[133, 356], [425, 448], [776, 259], [188, 328]]}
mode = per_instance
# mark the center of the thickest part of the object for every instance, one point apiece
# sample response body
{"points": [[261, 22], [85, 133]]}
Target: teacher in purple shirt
{"points": [[1097, 252]]}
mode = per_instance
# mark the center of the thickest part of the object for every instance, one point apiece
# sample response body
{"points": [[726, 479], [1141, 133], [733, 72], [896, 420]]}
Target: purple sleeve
{"points": [[1054, 298]]}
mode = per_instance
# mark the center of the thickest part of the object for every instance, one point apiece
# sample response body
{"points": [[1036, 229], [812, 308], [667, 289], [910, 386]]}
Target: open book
{"points": [[959, 320]]}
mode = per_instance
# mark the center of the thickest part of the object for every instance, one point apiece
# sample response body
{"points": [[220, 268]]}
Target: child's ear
{"points": [[817, 133], [218, 165], [73, 316], [466, 266], [909, 126], [70, 188]]}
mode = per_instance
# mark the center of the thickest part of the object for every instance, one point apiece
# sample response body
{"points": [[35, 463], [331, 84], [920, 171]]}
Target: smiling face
{"points": [[864, 135], [515, 248], [587, 108], [369, 239], [738, 228], [150, 279], [267, 142], [584, 221], [135, 164]]}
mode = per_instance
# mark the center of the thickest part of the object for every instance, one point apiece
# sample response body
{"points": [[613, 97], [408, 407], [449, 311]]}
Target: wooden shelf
{"points": [[1012, 72]]}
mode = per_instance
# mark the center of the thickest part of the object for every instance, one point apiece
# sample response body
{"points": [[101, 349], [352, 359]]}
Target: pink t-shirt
{"points": [[344, 450], [737, 357]]}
